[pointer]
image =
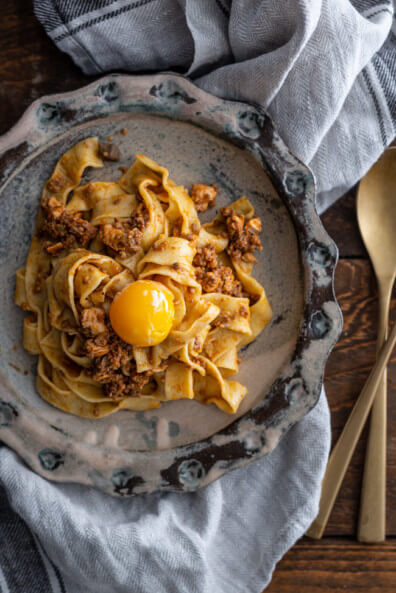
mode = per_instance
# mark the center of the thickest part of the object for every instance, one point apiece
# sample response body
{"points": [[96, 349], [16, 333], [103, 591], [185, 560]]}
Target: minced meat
{"points": [[62, 227], [109, 151], [203, 196], [121, 239], [212, 277], [124, 238], [113, 365], [242, 234], [93, 321]]}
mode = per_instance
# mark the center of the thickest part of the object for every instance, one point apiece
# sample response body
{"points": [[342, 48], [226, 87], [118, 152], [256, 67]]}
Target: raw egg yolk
{"points": [[142, 314]]}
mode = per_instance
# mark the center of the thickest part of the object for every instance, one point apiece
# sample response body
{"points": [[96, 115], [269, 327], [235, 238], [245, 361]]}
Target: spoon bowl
{"points": [[376, 208]]}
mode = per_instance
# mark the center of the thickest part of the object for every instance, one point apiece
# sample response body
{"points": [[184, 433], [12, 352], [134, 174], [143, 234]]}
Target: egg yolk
{"points": [[142, 314]]}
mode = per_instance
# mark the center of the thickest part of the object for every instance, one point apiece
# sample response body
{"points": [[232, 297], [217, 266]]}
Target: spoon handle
{"points": [[345, 446], [371, 526]]}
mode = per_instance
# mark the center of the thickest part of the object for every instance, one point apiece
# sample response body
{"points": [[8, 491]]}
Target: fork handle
{"points": [[345, 446], [371, 526]]}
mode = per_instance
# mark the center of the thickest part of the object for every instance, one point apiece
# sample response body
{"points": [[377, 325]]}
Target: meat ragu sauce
{"points": [[243, 241], [215, 278], [112, 361], [242, 234], [124, 238], [62, 227]]}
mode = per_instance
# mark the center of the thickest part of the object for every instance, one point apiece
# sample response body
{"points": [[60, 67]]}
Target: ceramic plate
{"points": [[199, 138]]}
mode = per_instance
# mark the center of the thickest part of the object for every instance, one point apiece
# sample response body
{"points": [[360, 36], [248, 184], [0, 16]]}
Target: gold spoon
{"points": [[376, 210], [345, 446], [377, 220]]}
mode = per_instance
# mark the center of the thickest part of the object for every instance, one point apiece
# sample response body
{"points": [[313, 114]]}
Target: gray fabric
{"points": [[325, 71], [225, 538], [308, 62]]}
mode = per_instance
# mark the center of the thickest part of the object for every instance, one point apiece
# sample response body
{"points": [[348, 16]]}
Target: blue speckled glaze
{"points": [[173, 429], [7, 414], [50, 114], [297, 182], [172, 92], [250, 123], [253, 442], [50, 459], [183, 445], [320, 324], [320, 254], [150, 432], [124, 481], [191, 472], [108, 91]]}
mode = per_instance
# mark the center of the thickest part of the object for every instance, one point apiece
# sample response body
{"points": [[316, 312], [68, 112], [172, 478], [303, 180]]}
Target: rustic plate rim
{"points": [[188, 467]]}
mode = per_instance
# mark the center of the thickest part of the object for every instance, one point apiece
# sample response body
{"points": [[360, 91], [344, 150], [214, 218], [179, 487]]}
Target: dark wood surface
{"points": [[30, 66]]}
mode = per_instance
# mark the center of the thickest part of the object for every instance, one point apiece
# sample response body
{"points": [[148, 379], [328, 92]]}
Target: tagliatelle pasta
{"points": [[93, 241]]}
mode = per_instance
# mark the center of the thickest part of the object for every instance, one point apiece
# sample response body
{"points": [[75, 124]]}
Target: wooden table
{"points": [[31, 66]]}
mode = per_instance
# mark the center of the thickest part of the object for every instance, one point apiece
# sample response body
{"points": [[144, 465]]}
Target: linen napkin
{"points": [[325, 70]]}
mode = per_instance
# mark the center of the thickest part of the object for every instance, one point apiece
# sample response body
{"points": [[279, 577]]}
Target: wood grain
{"points": [[347, 370], [31, 66], [336, 565], [340, 222]]}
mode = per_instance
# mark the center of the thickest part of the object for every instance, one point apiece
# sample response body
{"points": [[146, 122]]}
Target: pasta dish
{"points": [[132, 301]]}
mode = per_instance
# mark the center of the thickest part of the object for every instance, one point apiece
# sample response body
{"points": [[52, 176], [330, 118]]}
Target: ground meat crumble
{"points": [[121, 238], [215, 278], [203, 196], [62, 227], [242, 234], [56, 183], [93, 321], [124, 238], [112, 359], [109, 152]]}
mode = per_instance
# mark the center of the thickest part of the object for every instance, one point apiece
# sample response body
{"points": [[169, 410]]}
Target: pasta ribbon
{"points": [[92, 241]]}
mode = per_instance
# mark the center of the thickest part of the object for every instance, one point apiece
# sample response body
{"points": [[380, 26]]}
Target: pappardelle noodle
{"points": [[132, 300]]}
